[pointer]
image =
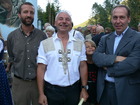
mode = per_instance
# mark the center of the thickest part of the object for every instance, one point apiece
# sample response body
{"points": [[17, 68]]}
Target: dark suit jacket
{"points": [[96, 38], [125, 73]]}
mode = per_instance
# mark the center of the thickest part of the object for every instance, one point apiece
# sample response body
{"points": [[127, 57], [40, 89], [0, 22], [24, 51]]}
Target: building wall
{"points": [[9, 20]]}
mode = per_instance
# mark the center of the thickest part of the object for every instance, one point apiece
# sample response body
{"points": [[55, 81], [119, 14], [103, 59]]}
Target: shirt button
{"points": [[28, 58], [27, 50], [28, 65], [27, 43], [29, 73]]}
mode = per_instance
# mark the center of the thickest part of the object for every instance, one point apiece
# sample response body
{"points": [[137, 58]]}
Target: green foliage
{"points": [[49, 15], [134, 6], [102, 13]]}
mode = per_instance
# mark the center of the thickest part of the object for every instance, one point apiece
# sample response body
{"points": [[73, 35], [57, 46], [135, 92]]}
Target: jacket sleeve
{"points": [[130, 65], [100, 58]]}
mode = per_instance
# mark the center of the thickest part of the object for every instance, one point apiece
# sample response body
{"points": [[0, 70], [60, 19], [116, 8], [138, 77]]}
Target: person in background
{"points": [[61, 62], [22, 46], [78, 28], [89, 26], [5, 93], [46, 25], [93, 32], [76, 33], [88, 29], [99, 33], [92, 73], [100, 29], [118, 56], [86, 32], [49, 31], [108, 30]]}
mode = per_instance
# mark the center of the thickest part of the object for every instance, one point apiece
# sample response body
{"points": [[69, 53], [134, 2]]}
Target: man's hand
{"points": [[119, 59], [43, 100], [84, 94]]}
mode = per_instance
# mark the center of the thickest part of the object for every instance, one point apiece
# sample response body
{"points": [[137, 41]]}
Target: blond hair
{"points": [[91, 42]]}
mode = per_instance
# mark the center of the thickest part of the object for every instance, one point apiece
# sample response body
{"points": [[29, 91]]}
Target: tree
{"points": [[50, 13], [102, 13], [134, 6], [41, 15]]}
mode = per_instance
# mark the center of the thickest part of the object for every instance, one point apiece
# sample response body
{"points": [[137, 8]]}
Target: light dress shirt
{"points": [[77, 34], [54, 73], [116, 43], [1, 46]]}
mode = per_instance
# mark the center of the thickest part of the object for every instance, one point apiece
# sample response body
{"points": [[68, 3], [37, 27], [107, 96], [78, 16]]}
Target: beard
{"points": [[27, 22]]}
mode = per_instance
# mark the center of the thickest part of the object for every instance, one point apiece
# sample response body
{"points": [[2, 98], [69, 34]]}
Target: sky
{"points": [[80, 10]]}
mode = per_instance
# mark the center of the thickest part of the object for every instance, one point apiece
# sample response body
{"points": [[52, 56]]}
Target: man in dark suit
{"points": [[118, 55], [99, 33]]}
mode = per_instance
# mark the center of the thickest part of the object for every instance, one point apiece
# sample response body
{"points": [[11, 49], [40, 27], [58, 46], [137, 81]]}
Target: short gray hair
{"points": [[62, 11], [50, 28]]}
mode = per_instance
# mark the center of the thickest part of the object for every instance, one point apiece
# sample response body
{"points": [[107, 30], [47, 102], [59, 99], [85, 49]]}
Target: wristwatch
{"points": [[86, 87]]}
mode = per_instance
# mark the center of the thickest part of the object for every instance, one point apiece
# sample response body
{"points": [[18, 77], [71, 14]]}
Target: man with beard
{"points": [[22, 45]]}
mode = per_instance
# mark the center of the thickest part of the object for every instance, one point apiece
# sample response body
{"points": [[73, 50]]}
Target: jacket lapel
{"points": [[125, 39], [110, 43]]}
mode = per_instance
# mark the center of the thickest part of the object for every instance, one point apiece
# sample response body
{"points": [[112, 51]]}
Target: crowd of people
{"points": [[62, 66]]}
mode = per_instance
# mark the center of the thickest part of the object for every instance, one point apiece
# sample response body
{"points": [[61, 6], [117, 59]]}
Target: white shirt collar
{"points": [[122, 32], [71, 38]]}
